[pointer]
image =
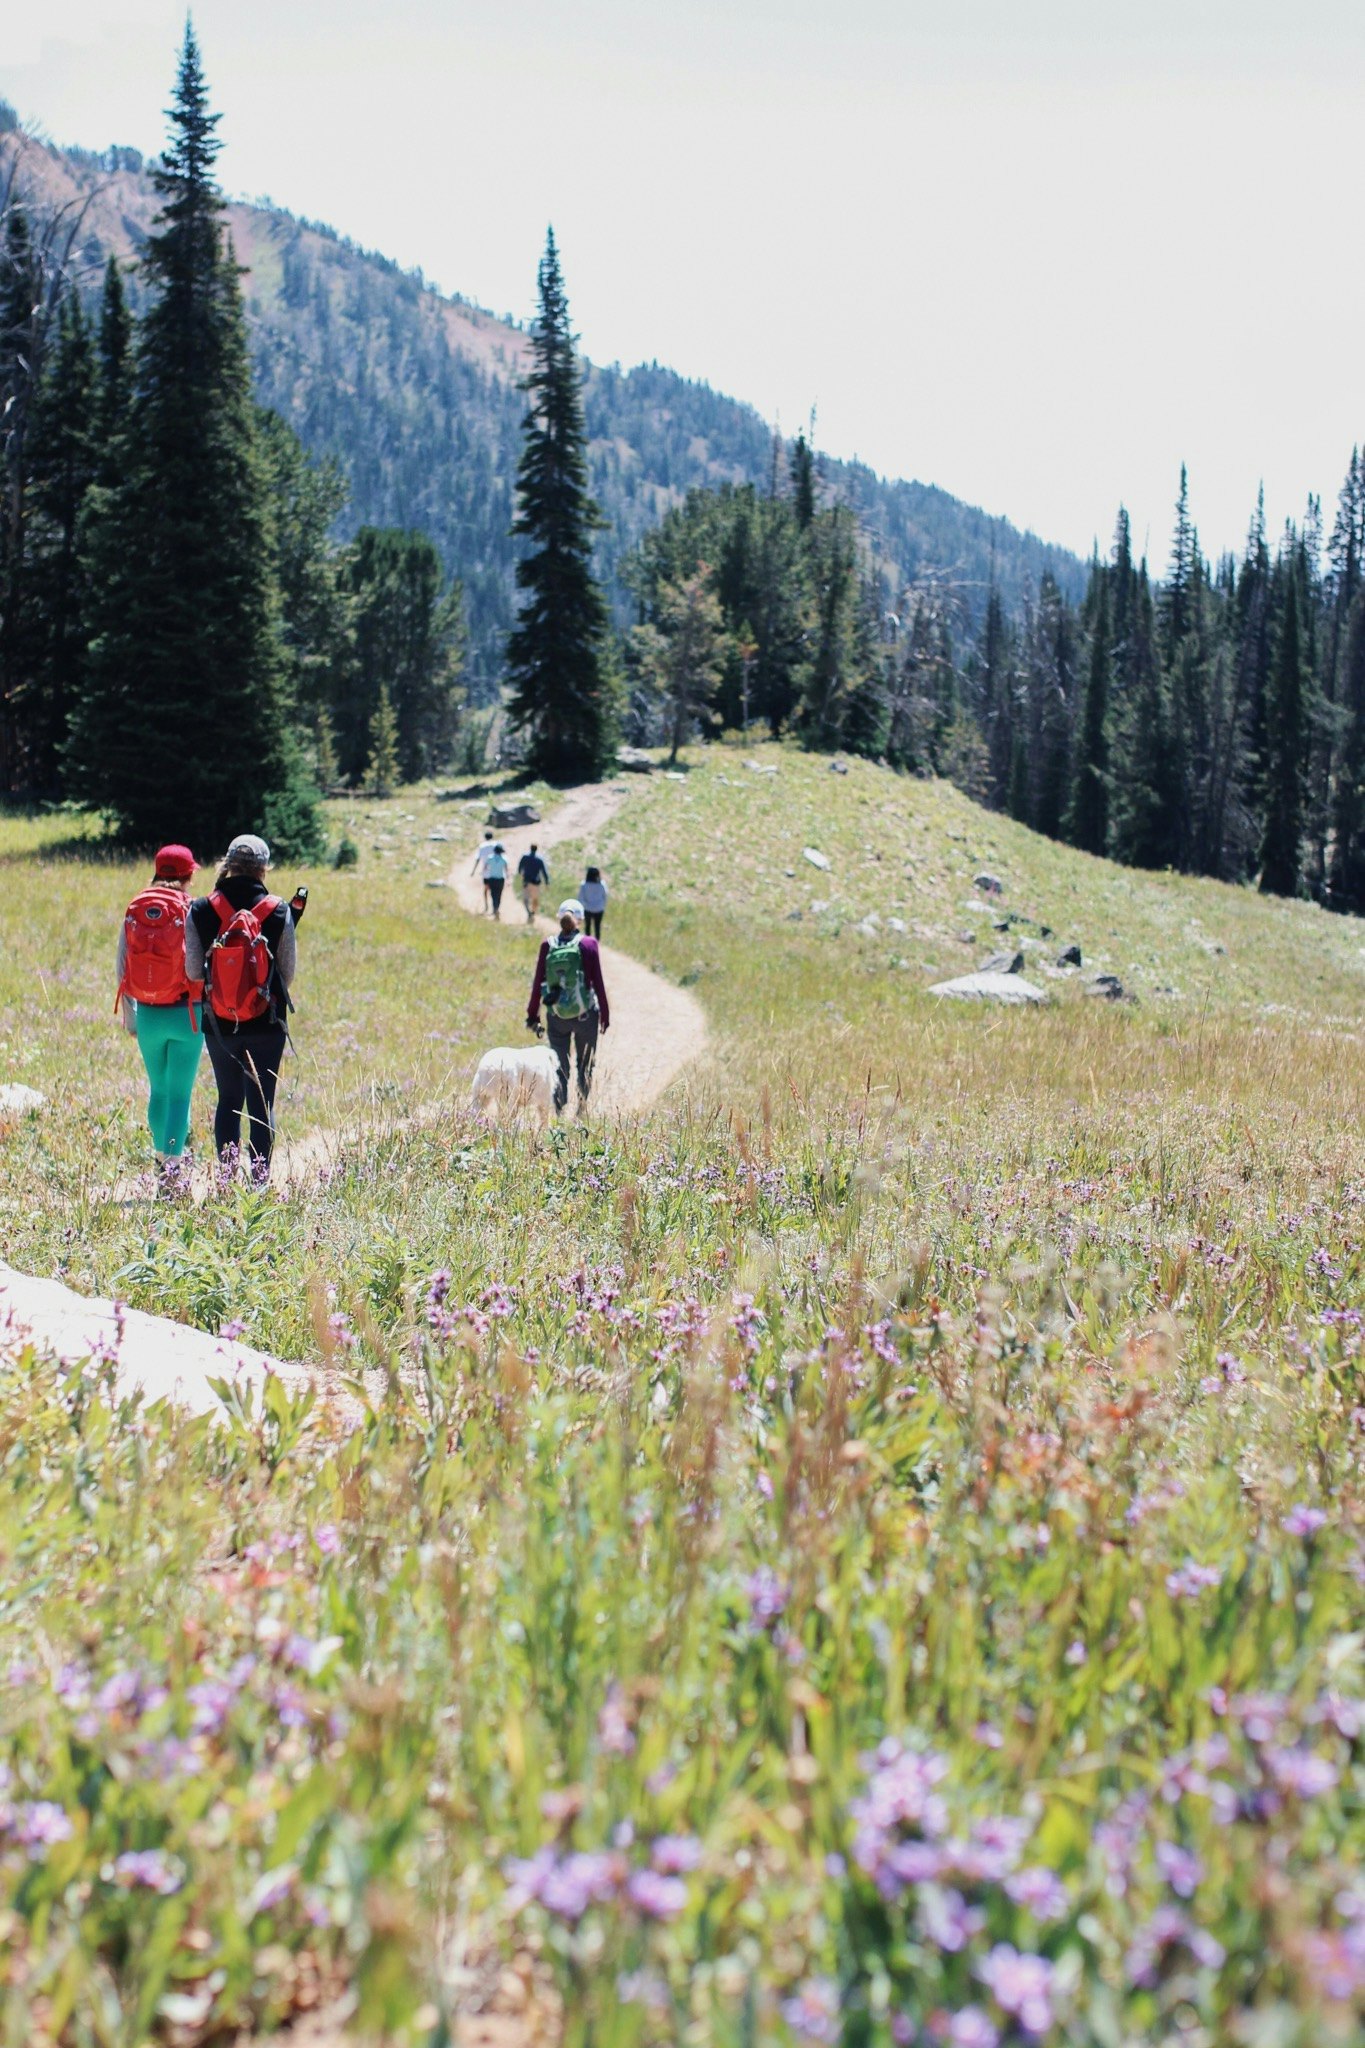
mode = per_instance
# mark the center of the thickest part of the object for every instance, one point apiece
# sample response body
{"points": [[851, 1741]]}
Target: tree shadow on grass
{"points": [[89, 849]]}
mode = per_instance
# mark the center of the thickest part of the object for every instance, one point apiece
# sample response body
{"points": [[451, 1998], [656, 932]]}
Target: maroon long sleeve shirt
{"points": [[592, 970]]}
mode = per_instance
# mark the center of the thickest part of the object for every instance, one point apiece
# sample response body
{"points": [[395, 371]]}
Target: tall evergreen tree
{"points": [[21, 293], [801, 466], [1145, 803], [1055, 673], [559, 689], [115, 373], [184, 727], [682, 654], [1087, 819], [62, 470], [406, 644], [997, 695], [830, 672], [1348, 816], [1286, 726]]}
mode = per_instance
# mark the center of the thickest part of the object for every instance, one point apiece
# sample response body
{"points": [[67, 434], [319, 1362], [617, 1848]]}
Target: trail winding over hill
{"points": [[657, 1028]]}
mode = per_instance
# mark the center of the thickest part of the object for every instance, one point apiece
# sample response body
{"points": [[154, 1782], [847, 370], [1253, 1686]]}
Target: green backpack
{"points": [[566, 985]]}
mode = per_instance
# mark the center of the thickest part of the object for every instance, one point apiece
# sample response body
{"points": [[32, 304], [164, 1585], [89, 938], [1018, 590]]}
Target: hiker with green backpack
{"points": [[569, 980]]}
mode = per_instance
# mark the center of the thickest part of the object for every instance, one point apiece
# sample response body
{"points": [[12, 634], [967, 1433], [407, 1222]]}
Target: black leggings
{"points": [[246, 1070], [592, 924], [494, 884]]}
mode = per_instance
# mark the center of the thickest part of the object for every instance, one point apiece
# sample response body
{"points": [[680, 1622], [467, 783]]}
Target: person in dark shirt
{"points": [[534, 874], [245, 1055], [569, 978]]}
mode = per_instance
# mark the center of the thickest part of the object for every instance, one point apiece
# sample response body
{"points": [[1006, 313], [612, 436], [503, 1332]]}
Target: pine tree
{"points": [[801, 468], [997, 695], [1286, 725], [830, 672], [1087, 819], [683, 653], [381, 769], [1145, 805], [1348, 818], [406, 637], [21, 291], [63, 465], [1056, 684], [559, 697], [1177, 594], [184, 728], [115, 374]]}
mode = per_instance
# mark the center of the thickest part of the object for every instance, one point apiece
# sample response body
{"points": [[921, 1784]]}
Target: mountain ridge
{"points": [[416, 393]]}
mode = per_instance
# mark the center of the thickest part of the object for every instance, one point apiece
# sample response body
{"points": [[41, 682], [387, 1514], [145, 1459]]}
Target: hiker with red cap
{"points": [[240, 942], [159, 1002]]}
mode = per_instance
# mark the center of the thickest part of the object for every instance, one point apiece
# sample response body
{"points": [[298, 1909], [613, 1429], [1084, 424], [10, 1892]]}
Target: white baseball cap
{"points": [[571, 907], [247, 846]]}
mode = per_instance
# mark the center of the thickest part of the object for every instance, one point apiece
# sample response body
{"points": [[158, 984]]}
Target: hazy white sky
{"points": [[1036, 251]]}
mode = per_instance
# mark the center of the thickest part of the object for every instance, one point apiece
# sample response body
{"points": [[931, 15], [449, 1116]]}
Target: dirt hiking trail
{"points": [[657, 1029]]}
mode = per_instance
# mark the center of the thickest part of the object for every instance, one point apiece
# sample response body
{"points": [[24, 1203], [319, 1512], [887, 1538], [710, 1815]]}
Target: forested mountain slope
{"points": [[417, 396]]}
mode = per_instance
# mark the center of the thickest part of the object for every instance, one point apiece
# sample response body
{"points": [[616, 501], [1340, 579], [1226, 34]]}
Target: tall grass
{"points": [[869, 1551]]}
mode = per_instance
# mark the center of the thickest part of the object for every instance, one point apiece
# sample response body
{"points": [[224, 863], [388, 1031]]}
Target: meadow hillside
{"points": [[417, 395], [869, 1550]]}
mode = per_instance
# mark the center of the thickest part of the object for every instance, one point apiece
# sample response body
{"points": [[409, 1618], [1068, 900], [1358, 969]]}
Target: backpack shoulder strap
{"points": [[221, 908]]}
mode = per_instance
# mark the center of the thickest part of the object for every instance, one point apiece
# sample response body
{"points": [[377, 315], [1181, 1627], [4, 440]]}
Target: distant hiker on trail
{"points": [[593, 897], [569, 977], [480, 868], [495, 876], [240, 943], [160, 1002], [534, 874]]}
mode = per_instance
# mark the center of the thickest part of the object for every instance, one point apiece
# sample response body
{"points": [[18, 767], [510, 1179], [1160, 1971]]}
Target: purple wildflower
{"points": [[672, 1855], [1041, 1891], [1021, 1985], [148, 1870], [1181, 1868], [657, 1896], [767, 1597], [327, 1539], [39, 1825], [945, 1919], [1169, 1928], [1300, 1772], [747, 1324], [1192, 1578], [1304, 1521], [614, 1731], [812, 2011], [971, 2028]]}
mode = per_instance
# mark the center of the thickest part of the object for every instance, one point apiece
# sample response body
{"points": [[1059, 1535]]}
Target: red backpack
{"points": [[240, 963], [154, 951]]}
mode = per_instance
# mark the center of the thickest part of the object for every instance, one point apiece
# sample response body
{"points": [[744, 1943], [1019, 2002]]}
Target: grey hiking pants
{"points": [[573, 1035]]}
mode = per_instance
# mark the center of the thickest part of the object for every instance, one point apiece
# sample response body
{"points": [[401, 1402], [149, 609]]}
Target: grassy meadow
{"points": [[870, 1551]]}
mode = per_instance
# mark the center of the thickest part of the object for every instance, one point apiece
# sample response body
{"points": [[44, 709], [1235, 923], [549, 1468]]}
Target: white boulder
{"points": [[989, 987], [16, 1099]]}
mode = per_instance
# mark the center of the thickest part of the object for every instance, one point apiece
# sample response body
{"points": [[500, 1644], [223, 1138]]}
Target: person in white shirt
{"points": [[480, 868], [593, 897]]}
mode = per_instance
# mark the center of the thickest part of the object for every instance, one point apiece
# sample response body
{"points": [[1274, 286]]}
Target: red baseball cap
{"points": [[175, 863]]}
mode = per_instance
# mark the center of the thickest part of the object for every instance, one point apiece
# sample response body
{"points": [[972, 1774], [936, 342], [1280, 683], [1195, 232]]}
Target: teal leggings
{"points": [[170, 1048]]}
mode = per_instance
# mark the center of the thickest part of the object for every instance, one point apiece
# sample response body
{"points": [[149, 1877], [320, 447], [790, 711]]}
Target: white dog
{"points": [[510, 1082]]}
